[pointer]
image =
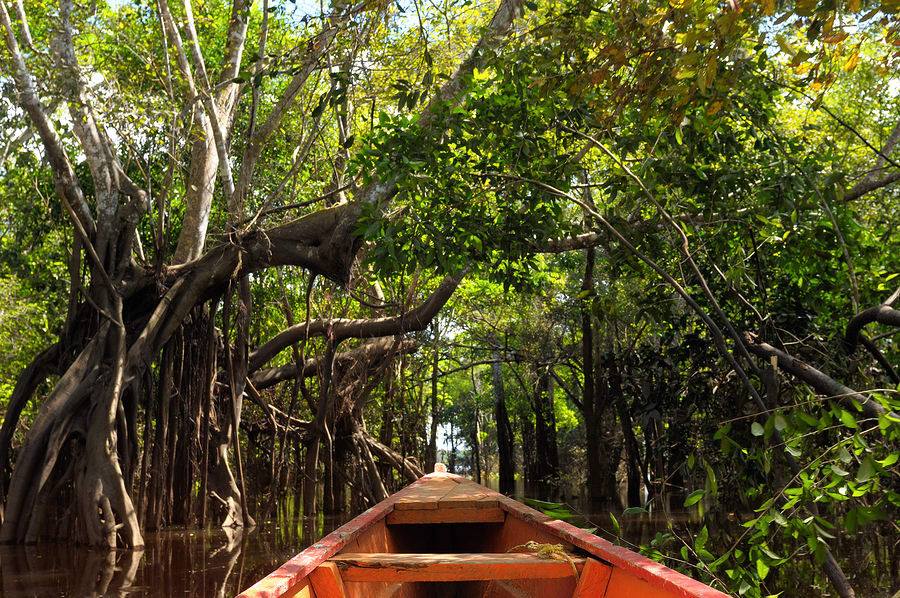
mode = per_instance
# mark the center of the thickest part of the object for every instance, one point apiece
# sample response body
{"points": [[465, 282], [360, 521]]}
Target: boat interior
{"points": [[452, 538]]}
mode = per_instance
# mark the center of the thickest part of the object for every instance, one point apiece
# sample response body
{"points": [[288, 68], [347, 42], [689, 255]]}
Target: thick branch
{"points": [[109, 177], [28, 381], [67, 184], [819, 381], [416, 319], [263, 379], [217, 119], [23, 24], [868, 182], [410, 470], [883, 314], [869, 185], [582, 241], [880, 358], [318, 46]]}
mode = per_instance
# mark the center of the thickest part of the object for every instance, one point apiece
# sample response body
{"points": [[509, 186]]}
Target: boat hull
{"points": [[446, 536]]}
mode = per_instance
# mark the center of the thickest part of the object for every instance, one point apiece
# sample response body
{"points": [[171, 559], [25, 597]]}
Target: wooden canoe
{"points": [[446, 536]]}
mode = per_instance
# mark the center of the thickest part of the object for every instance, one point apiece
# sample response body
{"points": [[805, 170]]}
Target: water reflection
{"points": [[216, 563], [220, 563]]}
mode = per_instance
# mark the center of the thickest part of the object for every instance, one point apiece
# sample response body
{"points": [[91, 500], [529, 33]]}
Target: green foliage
{"points": [[745, 121]]}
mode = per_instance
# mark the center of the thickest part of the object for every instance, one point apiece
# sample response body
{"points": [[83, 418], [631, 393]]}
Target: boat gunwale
{"points": [[618, 557], [293, 571]]}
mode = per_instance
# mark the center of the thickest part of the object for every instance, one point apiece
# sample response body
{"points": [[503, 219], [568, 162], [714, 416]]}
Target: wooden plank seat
{"points": [[609, 572], [458, 502], [442, 515], [398, 567]]}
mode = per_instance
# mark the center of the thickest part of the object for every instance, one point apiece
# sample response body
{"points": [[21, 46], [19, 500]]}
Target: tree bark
{"points": [[431, 453], [588, 401], [545, 430], [507, 469], [91, 416]]}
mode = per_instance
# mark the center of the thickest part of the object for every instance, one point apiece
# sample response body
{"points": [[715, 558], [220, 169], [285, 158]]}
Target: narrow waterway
{"points": [[191, 562], [175, 562]]}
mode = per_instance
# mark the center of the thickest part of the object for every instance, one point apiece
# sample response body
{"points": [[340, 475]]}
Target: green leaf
{"points": [[615, 523], [850, 520], [889, 460], [756, 429], [320, 107], [694, 497], [785, 45], [865, 470], [780, 422], [769, 553], [701, 539], [712, 485], [848, 419], [541, 504], [844, 455], [762, 569], [635, 511]]}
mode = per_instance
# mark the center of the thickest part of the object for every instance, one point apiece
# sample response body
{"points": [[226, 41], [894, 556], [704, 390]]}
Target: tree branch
{"points": [[212, 109], [883, 314], [868, 180], [819, 381], [416, 319], [867, 186], [263, 379], [67, 184], [406, 466], [317, 47]]}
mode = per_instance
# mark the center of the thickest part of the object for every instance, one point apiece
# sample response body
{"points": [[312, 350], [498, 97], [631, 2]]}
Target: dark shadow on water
{"points": [[212, 563], [175, 562]]}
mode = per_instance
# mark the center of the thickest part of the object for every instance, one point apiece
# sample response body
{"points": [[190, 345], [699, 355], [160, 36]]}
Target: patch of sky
{"points": [[296, 9]]}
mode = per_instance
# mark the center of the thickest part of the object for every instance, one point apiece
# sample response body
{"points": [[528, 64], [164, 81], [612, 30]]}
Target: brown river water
{"points": [[220, 563], [175, 562], [180, 562]]}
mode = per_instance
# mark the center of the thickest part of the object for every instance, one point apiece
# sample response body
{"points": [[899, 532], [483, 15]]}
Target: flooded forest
{"points": [[264, 263]]}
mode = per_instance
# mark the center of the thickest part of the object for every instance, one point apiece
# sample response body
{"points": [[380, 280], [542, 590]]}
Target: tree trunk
{"points": [[632, 450], [431, 453], [529, 449], [545, 430], [588, 399], [476, 445], [507, 471]]}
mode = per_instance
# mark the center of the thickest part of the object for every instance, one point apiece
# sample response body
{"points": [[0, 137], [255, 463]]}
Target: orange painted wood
{"points": [[391, 591], [504, 589], [326, 581], [426, 496], [300, 590], [593, 580], [450, 567], [632, 575], [450, 515], [668, 582], [622, 585], [283, 580], [527, 588], [468, 494]]}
